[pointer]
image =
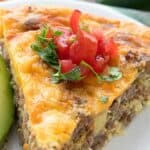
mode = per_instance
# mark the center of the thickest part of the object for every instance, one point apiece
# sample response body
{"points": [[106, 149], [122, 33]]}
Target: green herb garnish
{"points": [[46, 49], [113, 74], [104, 99], [73, 75], [57, 33], [91, 68]]}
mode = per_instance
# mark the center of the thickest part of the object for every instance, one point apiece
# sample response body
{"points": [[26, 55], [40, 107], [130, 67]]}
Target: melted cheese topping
{"points": [[50, 106]]}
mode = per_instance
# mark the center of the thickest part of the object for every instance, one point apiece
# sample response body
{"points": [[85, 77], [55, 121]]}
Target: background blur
{"points": [[137, 9], [136, 4]]}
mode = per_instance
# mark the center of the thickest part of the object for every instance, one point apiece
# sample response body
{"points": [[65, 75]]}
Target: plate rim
{"points": [[5, 4]]}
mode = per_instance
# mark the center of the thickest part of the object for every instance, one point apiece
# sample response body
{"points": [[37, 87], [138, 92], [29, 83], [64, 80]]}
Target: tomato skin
{"points": [[111, 48], [66, 65], [74, 52], [62, 42], [101, 41], [84, 48], [74, 21], [88, 46], [98, 34], [62, 46], [99, 64]]}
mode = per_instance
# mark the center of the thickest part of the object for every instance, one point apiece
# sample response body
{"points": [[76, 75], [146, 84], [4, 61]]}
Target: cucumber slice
{"points": [[6, 102]]}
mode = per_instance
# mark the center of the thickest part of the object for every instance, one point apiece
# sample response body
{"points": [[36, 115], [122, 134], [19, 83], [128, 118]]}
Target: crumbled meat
{"points": [[99, 141], [83, 127], [32, 23], [131, 56], [79, 101]]}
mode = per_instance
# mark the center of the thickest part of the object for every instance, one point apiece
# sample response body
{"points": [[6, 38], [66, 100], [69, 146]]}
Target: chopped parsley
{"points": [[46, 49], [57, 33], [113, 74], [104, 99], [91, 68], [73, 75]]}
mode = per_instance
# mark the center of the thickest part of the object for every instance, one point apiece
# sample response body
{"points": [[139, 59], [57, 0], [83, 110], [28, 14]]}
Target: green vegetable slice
{"points": [[7, 107]]}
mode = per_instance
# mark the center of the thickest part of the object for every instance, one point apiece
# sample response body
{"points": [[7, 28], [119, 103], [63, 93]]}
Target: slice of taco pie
{"points": [[78, 78]]}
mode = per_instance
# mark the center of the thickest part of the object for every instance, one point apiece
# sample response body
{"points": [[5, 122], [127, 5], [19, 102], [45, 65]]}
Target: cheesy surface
{"points": [[51, 107]]}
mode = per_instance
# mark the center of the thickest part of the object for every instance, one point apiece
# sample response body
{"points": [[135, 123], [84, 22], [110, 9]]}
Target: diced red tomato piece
{"points": [[74, 53], [74, 21], [84, 48], [101, 40], [88, 46], [99, 64], [62, 46], [66, 65], [107, 58], [111, 48], [98, 34]]}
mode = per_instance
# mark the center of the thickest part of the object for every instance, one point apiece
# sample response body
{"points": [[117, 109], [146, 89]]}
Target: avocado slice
{"points": [[7, 107]]}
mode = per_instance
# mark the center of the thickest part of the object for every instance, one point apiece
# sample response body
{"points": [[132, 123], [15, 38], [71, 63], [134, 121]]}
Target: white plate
{"points": [[137, 135]]}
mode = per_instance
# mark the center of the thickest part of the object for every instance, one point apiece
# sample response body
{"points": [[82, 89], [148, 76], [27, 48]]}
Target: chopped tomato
{"points": [[88, 45], [62, 46], [75, 45], [74, 53], [101, 40], [111, 48], [66, 65], [107, 58], [74, 21], [99, 64], [98, 34], [84, 48]]}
